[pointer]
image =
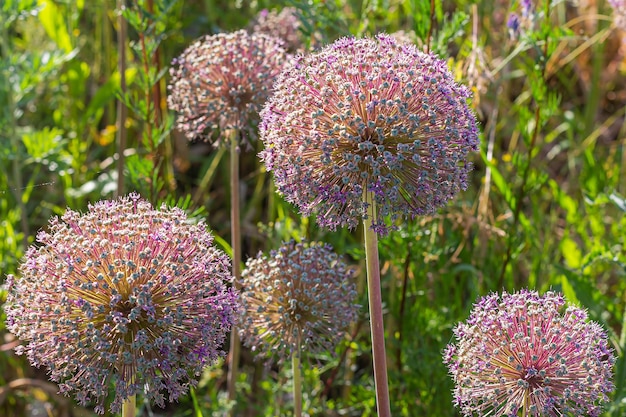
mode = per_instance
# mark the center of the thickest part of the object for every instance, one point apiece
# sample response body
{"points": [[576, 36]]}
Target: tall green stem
{"points": [[9, 109], [376, 310], [297, 382], [121, 106], [235, 233], [129, 408]]}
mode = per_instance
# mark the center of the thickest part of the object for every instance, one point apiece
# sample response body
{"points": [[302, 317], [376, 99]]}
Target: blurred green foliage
{"points": [[546, 207]]}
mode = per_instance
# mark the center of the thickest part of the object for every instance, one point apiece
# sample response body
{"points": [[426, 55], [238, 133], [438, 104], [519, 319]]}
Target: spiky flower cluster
{"points": [[221, 81], [283, 25], [126, 295], [299, 297], [519, 354], [368, 115]]}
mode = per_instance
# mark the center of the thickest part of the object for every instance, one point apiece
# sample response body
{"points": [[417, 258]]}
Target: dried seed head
{"points": [[298, 297]]}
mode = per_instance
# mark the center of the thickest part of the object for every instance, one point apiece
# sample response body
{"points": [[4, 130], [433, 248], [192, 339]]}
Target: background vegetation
{"points": [[545, 208]]}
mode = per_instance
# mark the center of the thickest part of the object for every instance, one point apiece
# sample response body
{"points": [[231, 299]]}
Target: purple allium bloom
{"points": [[283, 25], [368, 115], [125, 295], [519, 353], [221, 81], [301, 296]]}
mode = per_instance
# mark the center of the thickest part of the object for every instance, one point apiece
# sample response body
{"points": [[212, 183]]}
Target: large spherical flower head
{"points": [[301, 296], [368, 115], [221, 81], [122, 294], [525, 354]]}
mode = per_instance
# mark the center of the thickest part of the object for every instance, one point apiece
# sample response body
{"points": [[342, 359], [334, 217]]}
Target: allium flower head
{"points": [[368, 115], [221, 81], [525, 354], [125, 295], [283, 25], [298, 297]]}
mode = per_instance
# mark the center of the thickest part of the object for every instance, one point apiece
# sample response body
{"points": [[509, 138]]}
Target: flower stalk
{"points": [[129, 407], [374, 293], [235, 231], [297, 380]]}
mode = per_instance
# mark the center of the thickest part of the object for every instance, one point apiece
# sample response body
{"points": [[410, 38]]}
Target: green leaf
{"points": [[571, 252], [53, 22], [42, 143], [223, 244], [565, 201], [568, 290], [108, 92]]}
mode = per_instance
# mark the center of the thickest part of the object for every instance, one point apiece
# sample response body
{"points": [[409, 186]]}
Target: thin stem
{"points": [[209, 175], [148, 135], [156, 88], [376, 311], [121, 107], [194, 400], [297, 382], [407, 264], [129, 408], [235, 231], [5, 51], [164, 149], [430, 26]]}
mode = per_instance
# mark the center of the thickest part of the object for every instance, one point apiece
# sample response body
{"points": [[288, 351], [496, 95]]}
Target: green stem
{"points": [[297, 382], [376, 310], [236, 246], [121, 107], [196, 404], [10, 107], [431, 25], [129, 408], [209, 175]]}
